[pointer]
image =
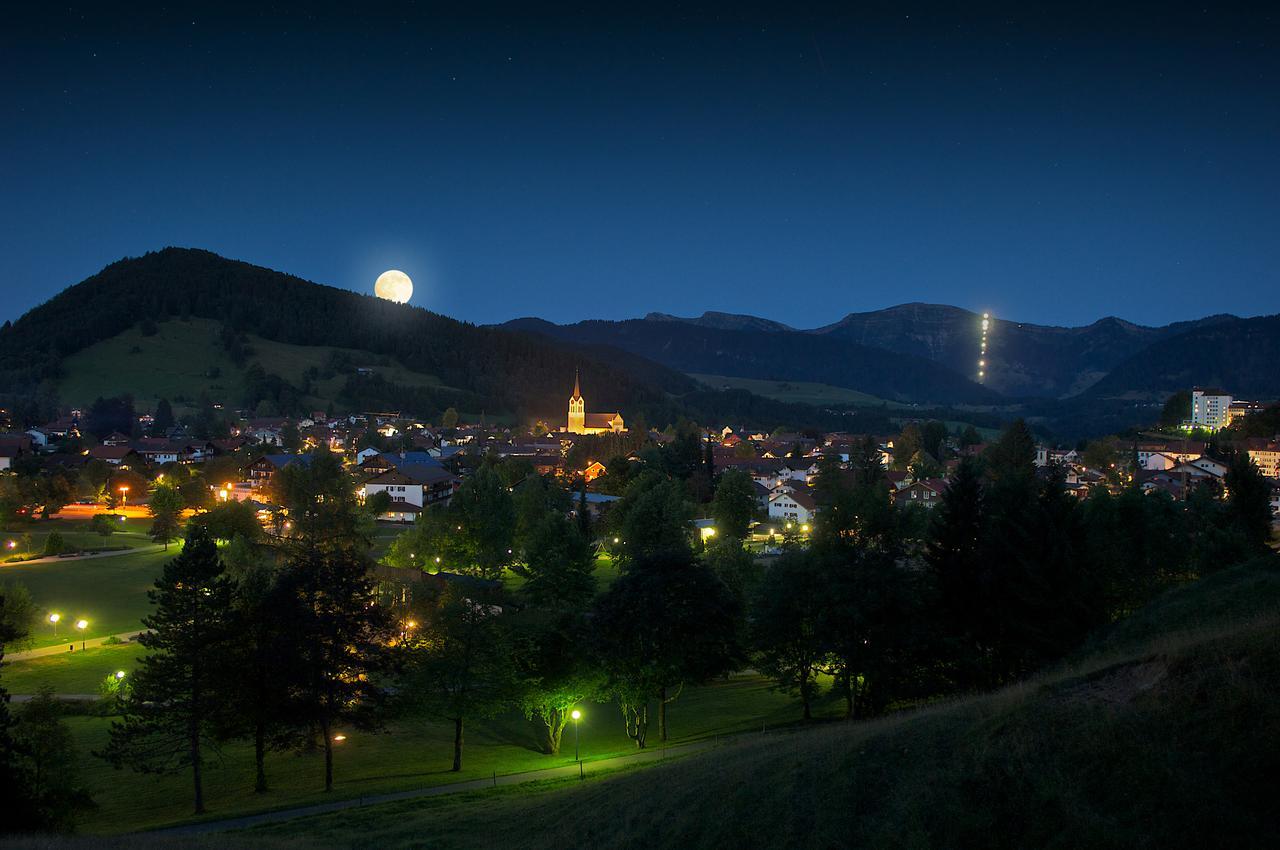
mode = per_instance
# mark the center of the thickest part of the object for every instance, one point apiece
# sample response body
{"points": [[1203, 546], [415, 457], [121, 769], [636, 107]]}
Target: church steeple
{"points": [[577, 423]]}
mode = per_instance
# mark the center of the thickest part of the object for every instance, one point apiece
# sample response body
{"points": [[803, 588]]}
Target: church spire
{"points": [[577, 393]]}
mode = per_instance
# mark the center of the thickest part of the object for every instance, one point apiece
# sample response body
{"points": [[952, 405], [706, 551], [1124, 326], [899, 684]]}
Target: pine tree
{"points": [[177, 691], [340, 639], [956, 554]]}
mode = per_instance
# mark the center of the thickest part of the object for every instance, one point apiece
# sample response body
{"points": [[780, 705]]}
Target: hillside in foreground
{"points": [[1162, 734]]}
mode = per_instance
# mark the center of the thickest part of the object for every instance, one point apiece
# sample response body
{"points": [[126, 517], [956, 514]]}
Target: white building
{"points": [[1209, 408], [797, 507]]}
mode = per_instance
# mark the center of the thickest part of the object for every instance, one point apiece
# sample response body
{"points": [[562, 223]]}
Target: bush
{"points": [[54, 544]]}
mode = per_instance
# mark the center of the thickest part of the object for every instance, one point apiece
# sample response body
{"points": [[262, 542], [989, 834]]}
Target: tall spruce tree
{"points": [[167, 725], [341, 639]]}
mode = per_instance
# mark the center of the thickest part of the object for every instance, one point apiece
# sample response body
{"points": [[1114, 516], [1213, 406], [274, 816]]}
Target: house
{"points": [[365, 454], [8, 453], [598, 503], [262, 469], [418, 484], [1211, 466], [1239, 408], [927, 493], [1265, 455], [113, 455], [797, 507], [593, 471]]}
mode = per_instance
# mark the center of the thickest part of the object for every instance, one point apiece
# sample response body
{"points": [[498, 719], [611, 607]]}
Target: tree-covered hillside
{"points": [[1238, 355], [493, 369], [778, 355]]}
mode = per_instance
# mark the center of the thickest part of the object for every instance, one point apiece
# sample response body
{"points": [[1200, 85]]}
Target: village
{"points": [[405, 466]]}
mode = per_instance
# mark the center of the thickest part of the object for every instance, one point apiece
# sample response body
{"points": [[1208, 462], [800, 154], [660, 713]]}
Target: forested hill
{"points": [[1241, 355], [777, 355], [492, 369]]}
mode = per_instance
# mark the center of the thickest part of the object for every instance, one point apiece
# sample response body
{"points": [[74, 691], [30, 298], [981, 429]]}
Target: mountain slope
{"points": [[485, 368], [1022, 358], [724, 321], [1240, 355], [776, 355]]}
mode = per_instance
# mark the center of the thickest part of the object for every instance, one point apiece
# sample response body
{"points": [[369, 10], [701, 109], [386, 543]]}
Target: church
{"points": [[581, 422]]}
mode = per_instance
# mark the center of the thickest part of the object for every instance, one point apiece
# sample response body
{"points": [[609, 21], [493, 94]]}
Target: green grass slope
{"points": [[1162, 738], [184, 359]]}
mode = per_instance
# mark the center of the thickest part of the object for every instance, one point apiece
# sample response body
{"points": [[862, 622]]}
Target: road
{"points": [[582, 769]]}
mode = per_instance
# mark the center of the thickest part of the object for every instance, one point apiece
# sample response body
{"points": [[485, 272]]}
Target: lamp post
{"points": [[124, 495], [82, 624], [54, 618], [576, 715]]}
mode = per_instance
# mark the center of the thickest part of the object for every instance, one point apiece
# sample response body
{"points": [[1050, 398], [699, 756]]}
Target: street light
{"points": [[82, 624], [124, 495], [54, 618], [576, 715]]}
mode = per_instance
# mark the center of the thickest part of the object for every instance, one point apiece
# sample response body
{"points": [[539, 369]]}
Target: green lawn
{"points": [[412, 753], [1166, 742], [30, 539], [111, 593], [79, 672]]}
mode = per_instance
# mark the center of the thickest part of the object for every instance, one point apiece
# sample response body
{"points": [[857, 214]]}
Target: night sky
{"points": [[1051, 167]]}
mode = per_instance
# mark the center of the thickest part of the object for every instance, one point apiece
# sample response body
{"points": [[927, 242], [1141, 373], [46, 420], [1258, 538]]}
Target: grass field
{"points": [[804, 392], [1165, 743], [111, 593], [177, 361], [79, 672], [412, 753], [29, 540]]}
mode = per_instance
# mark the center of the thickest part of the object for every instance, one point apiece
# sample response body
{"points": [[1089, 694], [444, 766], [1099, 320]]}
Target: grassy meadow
{"points": [[1163, 741], [184, 359], [111, 592]]}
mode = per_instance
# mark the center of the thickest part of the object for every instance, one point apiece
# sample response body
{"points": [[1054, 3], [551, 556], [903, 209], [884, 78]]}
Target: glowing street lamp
{"points": [[576, 715], [54, 618], [124, 495], [119, 675], [82, 624]]}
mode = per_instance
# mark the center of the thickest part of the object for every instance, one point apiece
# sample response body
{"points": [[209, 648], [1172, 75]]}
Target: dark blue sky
{"points": [[1050, 166]]}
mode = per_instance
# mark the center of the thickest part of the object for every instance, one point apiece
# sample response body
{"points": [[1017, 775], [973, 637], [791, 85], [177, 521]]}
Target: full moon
{"points": [[394, 285]]}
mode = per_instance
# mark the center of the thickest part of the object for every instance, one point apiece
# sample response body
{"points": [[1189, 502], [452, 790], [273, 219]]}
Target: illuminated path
{"points": [[59, 649], [58, 559], [562, 772]]}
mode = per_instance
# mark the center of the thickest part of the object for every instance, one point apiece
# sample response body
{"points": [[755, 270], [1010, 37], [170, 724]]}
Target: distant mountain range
{"points": [[1024, 359], [186, 322], [695, 347], [854, 374]]}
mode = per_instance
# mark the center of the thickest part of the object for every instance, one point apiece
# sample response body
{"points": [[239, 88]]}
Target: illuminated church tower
{"points": [[581, 422], [577, 409]]}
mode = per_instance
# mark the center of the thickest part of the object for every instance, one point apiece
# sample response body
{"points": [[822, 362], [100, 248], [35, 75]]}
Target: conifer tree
{"points": [[168, 723]]}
